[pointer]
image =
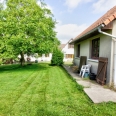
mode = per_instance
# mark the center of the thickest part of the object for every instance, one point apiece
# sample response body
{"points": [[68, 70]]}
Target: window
{"points": [[69, 55], [70, 45], [95, 48], [46, 55], [78, 50]]}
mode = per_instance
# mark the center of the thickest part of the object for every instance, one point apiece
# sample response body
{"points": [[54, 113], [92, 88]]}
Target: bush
{"points": [[57, 57], [1, 61]]}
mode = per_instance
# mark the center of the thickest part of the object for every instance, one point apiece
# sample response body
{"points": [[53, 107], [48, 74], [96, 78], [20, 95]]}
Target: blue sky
{"points": [[74, 16]]}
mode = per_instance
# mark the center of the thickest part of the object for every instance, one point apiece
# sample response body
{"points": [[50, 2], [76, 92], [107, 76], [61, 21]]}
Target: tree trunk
{"points": [[22, 60]]}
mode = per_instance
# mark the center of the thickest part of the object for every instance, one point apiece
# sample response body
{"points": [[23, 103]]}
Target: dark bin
{"points": [[92, 76]]}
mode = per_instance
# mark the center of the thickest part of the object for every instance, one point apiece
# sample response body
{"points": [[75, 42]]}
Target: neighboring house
{"points": [[36, 57], [99, 40], [68, 50]]}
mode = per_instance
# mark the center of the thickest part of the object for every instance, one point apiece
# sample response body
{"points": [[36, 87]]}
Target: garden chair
{"points": [[85, 69], [83, 60]]}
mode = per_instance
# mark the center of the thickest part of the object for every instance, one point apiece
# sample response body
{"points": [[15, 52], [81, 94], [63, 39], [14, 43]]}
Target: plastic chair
{"points": [[84, 69]]}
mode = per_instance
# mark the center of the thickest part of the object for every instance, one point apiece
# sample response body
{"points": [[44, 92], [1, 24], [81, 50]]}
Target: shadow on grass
{"points": [[26, 67], [44, 112]]}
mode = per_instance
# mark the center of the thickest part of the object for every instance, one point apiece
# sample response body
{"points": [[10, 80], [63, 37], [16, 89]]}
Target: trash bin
{"points": [[92, 76]]}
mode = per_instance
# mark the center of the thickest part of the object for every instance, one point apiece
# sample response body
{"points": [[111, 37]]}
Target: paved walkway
{"points": [[96, 92]]}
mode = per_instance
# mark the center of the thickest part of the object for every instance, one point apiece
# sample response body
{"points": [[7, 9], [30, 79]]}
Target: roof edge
{"points": [[106, 19], [95, 29]]}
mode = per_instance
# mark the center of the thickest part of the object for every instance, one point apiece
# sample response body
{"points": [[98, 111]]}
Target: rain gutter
{"points": [[113, 54], [99, 30], [93, 30]]}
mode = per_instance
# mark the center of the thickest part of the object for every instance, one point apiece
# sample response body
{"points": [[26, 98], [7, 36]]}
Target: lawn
{"points": [[43, 90]]}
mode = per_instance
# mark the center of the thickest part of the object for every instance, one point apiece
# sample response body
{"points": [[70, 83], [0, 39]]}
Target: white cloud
{"points": [[38, 2], [67, 31], [72, 4], [103, 5], [47, 6], [1, 1]]}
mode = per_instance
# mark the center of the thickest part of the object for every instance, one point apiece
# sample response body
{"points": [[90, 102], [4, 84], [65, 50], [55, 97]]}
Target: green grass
{"points": [[68, 63], [43, 90]]}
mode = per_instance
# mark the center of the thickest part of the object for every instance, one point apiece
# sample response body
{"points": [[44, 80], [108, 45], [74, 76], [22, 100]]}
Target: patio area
{"points": [[95, 91]]}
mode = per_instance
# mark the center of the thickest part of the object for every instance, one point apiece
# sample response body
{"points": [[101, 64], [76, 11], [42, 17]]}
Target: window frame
{"points": [[70, 45], [95, 48], [46, 55], [78, 50]]}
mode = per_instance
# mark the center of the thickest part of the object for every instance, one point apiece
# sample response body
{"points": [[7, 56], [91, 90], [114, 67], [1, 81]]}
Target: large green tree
{"points": [[26, 27]]}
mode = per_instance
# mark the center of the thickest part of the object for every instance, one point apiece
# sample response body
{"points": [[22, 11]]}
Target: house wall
{"points": [[41, 58], [113, 65], [76, 61], [84, 48], [94, 65], [67, 50], [105, 51]]}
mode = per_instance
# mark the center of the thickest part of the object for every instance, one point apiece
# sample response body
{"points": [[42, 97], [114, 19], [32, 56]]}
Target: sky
{"points": [[74, 16]]}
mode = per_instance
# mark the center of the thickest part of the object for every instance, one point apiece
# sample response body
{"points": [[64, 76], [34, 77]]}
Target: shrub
{"points": [[1, 61], [57, 57]]}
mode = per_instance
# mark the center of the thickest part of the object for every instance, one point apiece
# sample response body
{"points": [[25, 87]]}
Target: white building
{"points": [[68, 51], [36, 57]]}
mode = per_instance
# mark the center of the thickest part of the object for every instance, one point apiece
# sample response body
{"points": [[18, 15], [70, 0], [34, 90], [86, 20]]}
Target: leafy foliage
{"points": [[26, 27], [57, 57]]}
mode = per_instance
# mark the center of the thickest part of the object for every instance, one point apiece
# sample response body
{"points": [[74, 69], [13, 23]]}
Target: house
{"points": [[99, 40], [68, 50], [36, 57]]}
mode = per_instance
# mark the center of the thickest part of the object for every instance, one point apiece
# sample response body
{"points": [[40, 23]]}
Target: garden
{"points": [[43, 90]]}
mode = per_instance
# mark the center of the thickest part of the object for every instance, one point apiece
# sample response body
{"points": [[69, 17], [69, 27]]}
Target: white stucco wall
{"points": [[76, 61], [105, 51], [84, 48], [67, 50], [94, 65], [42, 58], [113, 65]]}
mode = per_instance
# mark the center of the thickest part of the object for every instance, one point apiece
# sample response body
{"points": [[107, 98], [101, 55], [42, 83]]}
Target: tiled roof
{"points": [[62, 46], [105, 19]]}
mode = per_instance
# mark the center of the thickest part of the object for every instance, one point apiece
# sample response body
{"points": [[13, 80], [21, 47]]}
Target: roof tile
{"points": [[105, 19], [106, 22], [114, 15]]}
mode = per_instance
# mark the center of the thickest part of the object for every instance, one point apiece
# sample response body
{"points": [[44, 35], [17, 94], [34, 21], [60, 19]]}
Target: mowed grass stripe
{"points": [[34, 96], [10, 97], [63, 94], [43, 90], [16, 84]]}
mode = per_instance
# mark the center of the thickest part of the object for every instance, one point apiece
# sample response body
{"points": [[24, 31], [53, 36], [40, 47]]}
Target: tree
{"points": [[27, 28], [57, 57]]}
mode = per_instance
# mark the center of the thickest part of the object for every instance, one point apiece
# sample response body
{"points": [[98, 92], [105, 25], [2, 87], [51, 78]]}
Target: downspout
{"points": [[99, 30], [114, 39]]}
